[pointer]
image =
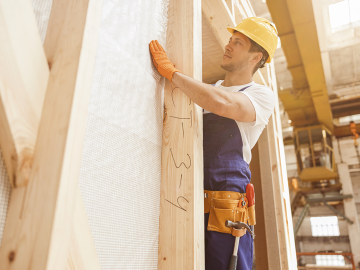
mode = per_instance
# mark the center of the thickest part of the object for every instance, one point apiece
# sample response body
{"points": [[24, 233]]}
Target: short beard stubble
{"points": [[232, 67]]}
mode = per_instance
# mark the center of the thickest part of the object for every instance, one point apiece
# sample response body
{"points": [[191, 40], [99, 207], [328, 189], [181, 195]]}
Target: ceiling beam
{"points": [[303, 20], [297, 30]]}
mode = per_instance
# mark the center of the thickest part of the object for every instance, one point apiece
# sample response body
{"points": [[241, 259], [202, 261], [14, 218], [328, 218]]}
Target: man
{"points": [[236, 111]]}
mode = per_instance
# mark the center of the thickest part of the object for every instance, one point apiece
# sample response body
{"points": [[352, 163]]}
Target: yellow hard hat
{"points": [[261, 31]]}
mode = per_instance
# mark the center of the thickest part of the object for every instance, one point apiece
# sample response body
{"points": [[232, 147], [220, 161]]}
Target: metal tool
{"points": [[236, 226]]}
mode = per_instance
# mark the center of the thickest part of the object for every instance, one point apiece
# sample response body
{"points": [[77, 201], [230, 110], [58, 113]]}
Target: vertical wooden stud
{"points": [[181, 240]]}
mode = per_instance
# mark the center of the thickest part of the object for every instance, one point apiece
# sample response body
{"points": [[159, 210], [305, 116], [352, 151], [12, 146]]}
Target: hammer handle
{"points": [[233, 262], [250, 194]]}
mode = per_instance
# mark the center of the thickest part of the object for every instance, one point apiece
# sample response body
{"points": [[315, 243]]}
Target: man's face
{"points": [[237, 56]]}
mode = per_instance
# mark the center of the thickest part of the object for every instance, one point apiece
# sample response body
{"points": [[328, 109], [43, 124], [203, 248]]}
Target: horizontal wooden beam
{"points": [[24, 75], [37, 234]]}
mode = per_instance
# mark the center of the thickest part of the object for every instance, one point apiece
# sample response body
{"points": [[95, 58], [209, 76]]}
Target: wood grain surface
{"points": [[24, 75], [181, 239], [39, 225]]}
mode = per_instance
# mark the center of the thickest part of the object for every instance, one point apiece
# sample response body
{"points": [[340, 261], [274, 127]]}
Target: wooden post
{"points": [[269, 204], [24, 75], [280, 183], [181, 239], [260, 242], [39, 225], [273, 249]]}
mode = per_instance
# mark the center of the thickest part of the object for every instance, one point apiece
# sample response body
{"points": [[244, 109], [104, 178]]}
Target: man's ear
{"points": [[257, 57]]}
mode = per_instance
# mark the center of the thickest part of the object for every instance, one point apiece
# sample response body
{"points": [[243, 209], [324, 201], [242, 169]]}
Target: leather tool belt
{"points": [[227, 205]]}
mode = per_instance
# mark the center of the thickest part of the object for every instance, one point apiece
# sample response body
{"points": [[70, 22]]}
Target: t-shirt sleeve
{"points": [[263, 100]]}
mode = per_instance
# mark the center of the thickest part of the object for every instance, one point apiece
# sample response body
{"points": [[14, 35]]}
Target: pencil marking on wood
{"points": [[182, 163], [191, 118], [184, 118], [172, 91], [179, 205]]}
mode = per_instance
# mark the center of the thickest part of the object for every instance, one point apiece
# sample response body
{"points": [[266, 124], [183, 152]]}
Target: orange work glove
{"points": [[161, 61]]}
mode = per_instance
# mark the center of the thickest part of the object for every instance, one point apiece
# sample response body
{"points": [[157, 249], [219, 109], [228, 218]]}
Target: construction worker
{"points": [[236, 110]]}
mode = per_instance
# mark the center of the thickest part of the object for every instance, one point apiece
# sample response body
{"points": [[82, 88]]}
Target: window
{"points": [[330, 260], [324, 226], [344, 12], [346, 119]]}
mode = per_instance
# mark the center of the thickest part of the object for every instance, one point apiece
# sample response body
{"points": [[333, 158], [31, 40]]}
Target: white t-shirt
{"points": [[263, 99]]}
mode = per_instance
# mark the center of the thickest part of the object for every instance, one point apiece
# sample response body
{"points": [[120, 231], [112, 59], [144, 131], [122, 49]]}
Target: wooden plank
{"points": [[219, 16], [24, 75], [81, 253], [260, 241], [281, 187], [181, 239], [212, 54], [272, 164], [269, 204], [37, 232]]}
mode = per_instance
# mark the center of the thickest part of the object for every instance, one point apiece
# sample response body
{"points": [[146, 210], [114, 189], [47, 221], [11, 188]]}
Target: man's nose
{"points": [[228, 47]]}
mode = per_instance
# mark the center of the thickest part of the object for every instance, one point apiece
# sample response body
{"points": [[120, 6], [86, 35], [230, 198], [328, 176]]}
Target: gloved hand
{"points": [[161, 61]]}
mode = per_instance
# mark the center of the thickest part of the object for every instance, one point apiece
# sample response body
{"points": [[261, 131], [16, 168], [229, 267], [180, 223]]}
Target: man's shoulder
{"points": [[259, 87]]}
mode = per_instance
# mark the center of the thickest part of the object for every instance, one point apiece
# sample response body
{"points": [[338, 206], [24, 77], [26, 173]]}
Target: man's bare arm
{"points": [[236, 106]]}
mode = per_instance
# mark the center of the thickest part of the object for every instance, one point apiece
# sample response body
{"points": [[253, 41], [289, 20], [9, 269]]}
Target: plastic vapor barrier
{"points": [[5, 191], [121, 167]]}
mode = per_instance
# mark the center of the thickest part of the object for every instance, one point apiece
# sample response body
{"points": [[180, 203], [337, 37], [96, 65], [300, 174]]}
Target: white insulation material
{"points": [[121, 166]]}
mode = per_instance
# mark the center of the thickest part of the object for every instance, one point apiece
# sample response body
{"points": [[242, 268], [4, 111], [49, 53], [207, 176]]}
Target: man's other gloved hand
{"points": [[161, 61]]}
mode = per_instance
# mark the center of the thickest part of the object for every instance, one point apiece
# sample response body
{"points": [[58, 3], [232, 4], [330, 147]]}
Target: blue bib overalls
{"points": [[224, 170]]}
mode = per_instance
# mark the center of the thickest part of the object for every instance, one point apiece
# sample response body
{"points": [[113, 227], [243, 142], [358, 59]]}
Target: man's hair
{"points": [[257, 48]]}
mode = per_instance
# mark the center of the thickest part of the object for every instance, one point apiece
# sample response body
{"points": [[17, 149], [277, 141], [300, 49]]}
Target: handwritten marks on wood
{"points": [[180, 122], [181, 239]]}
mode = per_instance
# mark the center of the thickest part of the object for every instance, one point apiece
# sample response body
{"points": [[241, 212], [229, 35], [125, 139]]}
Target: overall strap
{"points": [[246, 87]]}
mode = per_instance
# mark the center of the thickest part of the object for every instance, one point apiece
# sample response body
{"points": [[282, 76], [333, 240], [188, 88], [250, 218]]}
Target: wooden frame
{"points": [[55, 234], [40, 230]]}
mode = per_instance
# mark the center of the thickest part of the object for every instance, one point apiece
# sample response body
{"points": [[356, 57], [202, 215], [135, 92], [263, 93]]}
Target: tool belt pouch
{"points": [[224, 205]]}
